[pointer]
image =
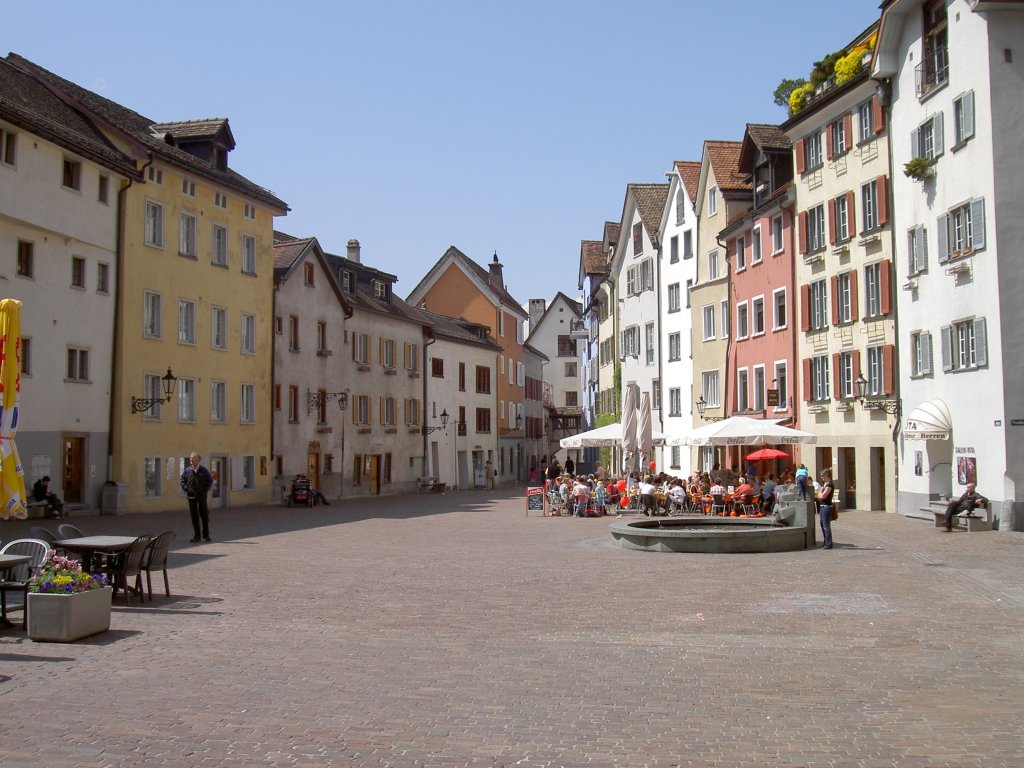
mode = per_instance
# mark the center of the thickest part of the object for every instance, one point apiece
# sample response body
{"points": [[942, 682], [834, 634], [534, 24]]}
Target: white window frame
{"points": [[219, 245], [819, 305], [963, 119], [813, 155], [708, 312], [152, 315], [820, 378], [674, 304], [869, 206], [866, 120], [780, 294], [218, 402], [713, 265], [875, 371], [247, 331], [712, 200], [154, 224], [843, 297], [742, 320], [754, 312], [152, 388], [845, 383], [186, 321], [675, 401], [152, 470], [741, 253], [247, 403], [757, 390], [650, 343], [873, 289], [725, 318], [248, 255], [817, 235], [778, 239], [755, 246], [917, 250], [742, 389], [674, 347], [186, 394], [218, 328], [920, 354], [710, 388], [842, 216], [781, 383]]}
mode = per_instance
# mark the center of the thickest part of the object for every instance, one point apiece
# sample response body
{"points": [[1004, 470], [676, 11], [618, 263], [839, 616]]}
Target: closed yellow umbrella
{"points": [[12, 476]]}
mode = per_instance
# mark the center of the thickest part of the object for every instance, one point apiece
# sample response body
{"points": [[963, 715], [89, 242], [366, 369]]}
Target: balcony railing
{"points": [[932, 73]]}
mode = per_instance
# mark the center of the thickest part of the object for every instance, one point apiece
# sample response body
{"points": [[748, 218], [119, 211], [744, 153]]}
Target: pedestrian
{"points": [[489, 474], [570, 466], [41, 492], [965, 505], [824, 497], [801, 483], [195, 482]]}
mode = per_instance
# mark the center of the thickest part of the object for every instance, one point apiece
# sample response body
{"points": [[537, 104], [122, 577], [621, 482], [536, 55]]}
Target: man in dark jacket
{"points": [[41, 492], [195, 482], [966, 503]]}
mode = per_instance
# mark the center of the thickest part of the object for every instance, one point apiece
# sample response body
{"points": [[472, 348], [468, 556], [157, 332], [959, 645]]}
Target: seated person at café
{"points": [[580, 495], [647, 500], [41, 492], [677, 496], [768, 494], [717, 489]]}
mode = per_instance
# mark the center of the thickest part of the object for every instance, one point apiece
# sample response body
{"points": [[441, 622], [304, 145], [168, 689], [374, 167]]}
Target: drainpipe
{"points": [[118, 290], [430, 340]]}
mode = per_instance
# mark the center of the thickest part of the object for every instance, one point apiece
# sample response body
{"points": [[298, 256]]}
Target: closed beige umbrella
{"points": [[629, 440]]}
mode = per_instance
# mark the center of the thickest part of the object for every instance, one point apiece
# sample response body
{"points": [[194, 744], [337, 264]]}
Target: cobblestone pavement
{"points": [[451, 630]]}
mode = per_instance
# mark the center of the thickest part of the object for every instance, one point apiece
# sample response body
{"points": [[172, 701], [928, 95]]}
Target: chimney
{"points": [[353, 250], [537, 307], [495, 278]]}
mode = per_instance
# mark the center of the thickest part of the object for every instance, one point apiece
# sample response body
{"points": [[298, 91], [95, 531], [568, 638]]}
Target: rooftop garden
{"points": [[835, 69]]}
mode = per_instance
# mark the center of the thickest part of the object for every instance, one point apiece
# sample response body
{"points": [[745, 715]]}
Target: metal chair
{"points": [[43, 534], [129, 563], [19, 575], [69, 531], [718, 502], [748, 504], [155, 559]]}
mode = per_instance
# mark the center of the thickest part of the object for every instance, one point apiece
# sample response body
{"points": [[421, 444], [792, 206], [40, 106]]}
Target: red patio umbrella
{"points": [[767, 454]]}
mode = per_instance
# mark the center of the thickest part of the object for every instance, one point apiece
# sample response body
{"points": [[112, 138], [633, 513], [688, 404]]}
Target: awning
{"points": [[929, 421]]}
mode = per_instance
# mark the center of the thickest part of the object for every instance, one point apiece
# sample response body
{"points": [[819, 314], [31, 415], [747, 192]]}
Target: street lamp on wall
{"points": [[444, 424], [516, 428], [143, 404], [702, 406], [314, 400], [888, 404]]}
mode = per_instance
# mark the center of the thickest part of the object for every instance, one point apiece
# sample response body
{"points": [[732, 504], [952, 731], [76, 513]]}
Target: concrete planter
{"points": [[66, 618]]}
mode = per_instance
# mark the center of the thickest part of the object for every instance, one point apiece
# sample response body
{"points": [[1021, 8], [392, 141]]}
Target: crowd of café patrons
{"points": [[722, 491]]}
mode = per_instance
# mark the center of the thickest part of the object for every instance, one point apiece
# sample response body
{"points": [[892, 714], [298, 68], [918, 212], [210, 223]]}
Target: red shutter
{"points": [[851, 214], [854, 298], [888, 374], [805, 308], [837, 376], [856, 366], [803, 231], [848, 129], [883, 201], [832, 221], [829, 143], [885, 286], [808, 390], [798, 153], [877, 116], [835, 299]]}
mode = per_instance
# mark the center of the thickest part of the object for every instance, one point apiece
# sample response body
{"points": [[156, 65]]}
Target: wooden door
{"points": [[373, 473], [313, 469], [74, 469]]}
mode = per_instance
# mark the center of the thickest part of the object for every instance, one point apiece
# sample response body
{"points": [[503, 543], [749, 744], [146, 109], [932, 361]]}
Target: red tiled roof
{"points": [[689, 172], [286, 253], [650, 203], [611, 233], [724, 157], [593, 257]]}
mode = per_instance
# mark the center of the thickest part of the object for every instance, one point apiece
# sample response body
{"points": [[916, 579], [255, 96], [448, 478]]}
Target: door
{"points": [[313, 469], [217, 468], [74, 469], [373, 473]]}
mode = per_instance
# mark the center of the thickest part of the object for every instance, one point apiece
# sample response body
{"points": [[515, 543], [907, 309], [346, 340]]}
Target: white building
{"points": [[59, 185], [953, 70], [592, 272], [678, 275]]}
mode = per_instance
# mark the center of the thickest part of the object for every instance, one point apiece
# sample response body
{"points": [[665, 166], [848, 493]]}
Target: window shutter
{"points": [[236, 473], [915, 143], [808, 383], [803, 231], [805, 308], [980, 342], [923, 239], [913, 247], [978, 223], [856, 365], [943, 235], [968, 115], [888, 369], [837, 375], [926, 352], [854, 299], [832, 221], [885, 286], [829, 142], [835, 299], [851, 217], [848, 129], [798, 154], [882, 190], [938, 135], [947, 347], [877, 115]]}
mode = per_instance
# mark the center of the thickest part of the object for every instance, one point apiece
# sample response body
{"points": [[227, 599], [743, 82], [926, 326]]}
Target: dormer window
{"points": [[380, 290], [348, 282], [220, 159]]}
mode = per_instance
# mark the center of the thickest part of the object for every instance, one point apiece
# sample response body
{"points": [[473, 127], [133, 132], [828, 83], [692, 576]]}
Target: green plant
{"points": [[849, 66], [825, 68], [64, 576], [919, 168], [785, 88], [799, 96]]}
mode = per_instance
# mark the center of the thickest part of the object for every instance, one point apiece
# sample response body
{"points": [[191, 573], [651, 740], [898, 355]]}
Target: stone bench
{"points": [[976, 521], [430, 485]]}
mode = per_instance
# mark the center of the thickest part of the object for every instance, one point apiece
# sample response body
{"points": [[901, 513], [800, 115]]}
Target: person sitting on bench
{"points": [[965, 505], [41, 492]]}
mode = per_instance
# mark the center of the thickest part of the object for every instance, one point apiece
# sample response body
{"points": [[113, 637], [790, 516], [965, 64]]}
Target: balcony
{"points": [[932, 73], [577, 330]]}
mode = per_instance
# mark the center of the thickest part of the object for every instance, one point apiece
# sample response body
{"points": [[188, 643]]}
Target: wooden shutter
{"points": [[805, 308], [882, 190], [851, 214], [915, 142], [943, 235], [947, 347], [808, 383], [854, 298], [832, 221], [856, 366], [798, 155], [885, 286], [803, 231], [877, 115], [926, 352], [913, 250], [938, 129], [978, 223], [888, 369], [848, 129], [967, 108], [835, 299], [830, 144], [980, 342], [837, 375]]}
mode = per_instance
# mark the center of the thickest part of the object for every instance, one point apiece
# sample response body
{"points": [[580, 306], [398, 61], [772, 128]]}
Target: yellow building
{"points": [[194, 295]]}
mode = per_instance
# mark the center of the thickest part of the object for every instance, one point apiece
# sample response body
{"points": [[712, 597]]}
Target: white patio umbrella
{"points": [[629, 428], [608, 435], [743, 430], [644, 436]]}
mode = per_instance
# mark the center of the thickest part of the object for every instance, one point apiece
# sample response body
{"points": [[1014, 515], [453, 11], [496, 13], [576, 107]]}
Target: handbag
{"points": [[834, 515]]}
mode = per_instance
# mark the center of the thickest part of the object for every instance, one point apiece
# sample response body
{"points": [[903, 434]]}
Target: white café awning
{"points": [[929, 421]]}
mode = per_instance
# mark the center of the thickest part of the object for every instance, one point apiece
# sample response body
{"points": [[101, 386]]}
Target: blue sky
{"points": [[492, 126]]}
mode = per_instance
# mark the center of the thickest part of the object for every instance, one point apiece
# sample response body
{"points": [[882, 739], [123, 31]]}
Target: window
{"points": [[220, 245], [777, 242], [219, 328], [781, 385], [152, 321], [321, 339], [361, 410], [483, 380], [649, 345], [755, 245], [815, 234], [757, 316], [742, 390], [844, 372], [713, 265], [103, 189], [962, 230], [247, 404], [917, 249], [758, 390], [152, 388], [688, 245], [188, 188], [187, 235], [927, 139], [819, 305], [387, 411], [920, 354], [380, 290], [725, 319], [647, 275], [26, 259], [155, 175], [712, 200], [869, 206], [865, 120], [819, 378], [8, 146], [483, 420], [437, 367], [348, 282], [709, 388], [571, 370], [842, 298], [151, 475], [673, 249], [964, 345], [638, 238], [674, 347], [293, 333], [26, 356], [812, 151], [218, 402], [838, 137], [250, 211], [875, 371], [154, 224], [78, 364], [741, 254], [673, 297], [631, 341], [412, 412], [412, 357], [309, 273], [841, 214], [248, 255], [72, 175], [566, 345], [571, 401], [780, 312], [742, 320], [674, 460], [933, 71], [77, 272], [501, 323], [963, 118], [680, 206], [186, 322], [248, 345], [387, 353], [675, 402], [186, 399], [708, 315], [102, 278], [248, 472], [873, 288], [220, 200]]}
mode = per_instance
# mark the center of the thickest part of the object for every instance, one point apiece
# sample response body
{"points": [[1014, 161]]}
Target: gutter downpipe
{"points": [[118, 290], [430, 340]]}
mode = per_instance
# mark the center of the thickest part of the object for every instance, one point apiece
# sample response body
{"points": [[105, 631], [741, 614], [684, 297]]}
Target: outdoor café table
{"points": [[87, 546], [6, 563]]}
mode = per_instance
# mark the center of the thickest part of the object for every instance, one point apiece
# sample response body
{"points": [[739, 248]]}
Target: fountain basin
{"points": [[715, 535]]}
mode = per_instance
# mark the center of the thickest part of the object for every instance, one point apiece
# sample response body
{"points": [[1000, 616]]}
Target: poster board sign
{"points": [[534, 500]]}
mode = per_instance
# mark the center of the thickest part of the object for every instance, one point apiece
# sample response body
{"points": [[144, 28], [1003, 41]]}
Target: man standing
{"points": [[195, 482], [964, 505]]}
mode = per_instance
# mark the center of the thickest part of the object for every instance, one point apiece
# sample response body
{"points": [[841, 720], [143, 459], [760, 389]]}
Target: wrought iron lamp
{"points": [[315, 400], [702, 405], [890, 405], [444, 424], [143, 404]]}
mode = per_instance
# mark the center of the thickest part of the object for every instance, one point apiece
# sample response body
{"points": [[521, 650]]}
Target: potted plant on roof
{"points": [[65, 603]]}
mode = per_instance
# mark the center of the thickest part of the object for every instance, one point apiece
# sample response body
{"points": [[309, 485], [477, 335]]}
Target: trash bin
{"points": [[114, 499]]}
